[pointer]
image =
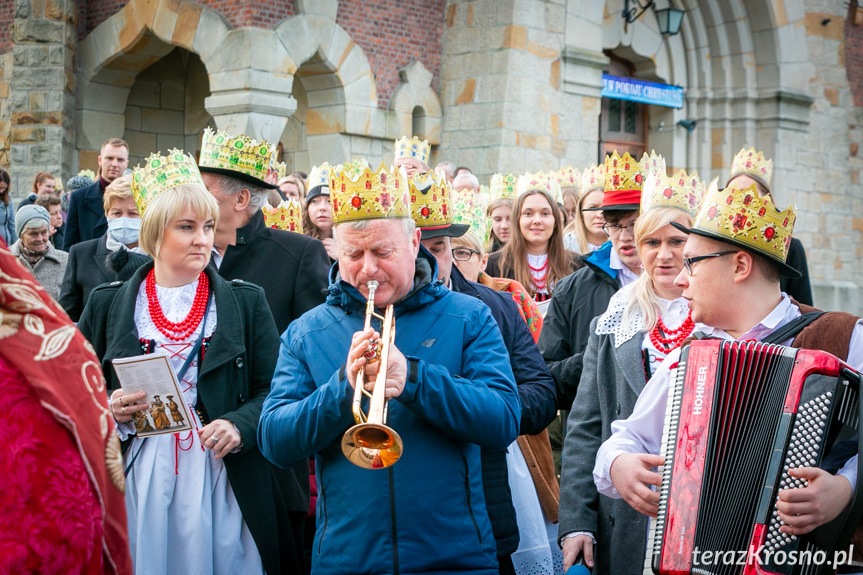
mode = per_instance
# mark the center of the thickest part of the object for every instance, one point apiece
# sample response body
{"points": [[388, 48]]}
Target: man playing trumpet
{"points": [[449, 385]]}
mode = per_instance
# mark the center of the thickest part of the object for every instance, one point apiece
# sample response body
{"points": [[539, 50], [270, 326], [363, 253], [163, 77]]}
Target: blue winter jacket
{"points": [[426, 513]]}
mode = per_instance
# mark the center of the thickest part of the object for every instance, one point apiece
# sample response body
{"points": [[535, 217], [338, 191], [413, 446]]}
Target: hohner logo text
{"points": [[699, 390]]}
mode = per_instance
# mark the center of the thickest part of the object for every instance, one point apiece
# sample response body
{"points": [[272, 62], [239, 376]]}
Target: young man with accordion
{"points": [[741, 466]]}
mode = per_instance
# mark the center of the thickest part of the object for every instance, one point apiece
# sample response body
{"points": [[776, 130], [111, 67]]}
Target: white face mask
{"points": [[125, 230]]}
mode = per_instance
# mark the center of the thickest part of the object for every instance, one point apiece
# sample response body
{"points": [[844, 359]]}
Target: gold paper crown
{"points": [[743, 218], [622, 173], [413, 148], [353, 168], [752, 163], [569, 177], [652, 163], [540, 181], [503, 186], [682, 191], [593, 178], [161, 173], [469, 208], [431, 200], [369, 195], [87, 173], [241, 154], [320, 176], [287, 216], [280, 169]]}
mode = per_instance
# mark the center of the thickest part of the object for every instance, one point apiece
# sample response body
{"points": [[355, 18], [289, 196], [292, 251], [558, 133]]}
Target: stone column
{"points": [[515, 96], [42, 91]]}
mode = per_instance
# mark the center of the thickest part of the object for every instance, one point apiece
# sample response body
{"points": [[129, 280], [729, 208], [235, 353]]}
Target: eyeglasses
{"points": [[463, 254], [687, 262], [612, 230]]}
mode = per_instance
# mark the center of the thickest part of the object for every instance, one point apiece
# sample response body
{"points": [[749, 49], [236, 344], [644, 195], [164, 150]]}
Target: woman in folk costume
{"points": [[645, 320], [535, 256], [205, 501], [61, 470]]}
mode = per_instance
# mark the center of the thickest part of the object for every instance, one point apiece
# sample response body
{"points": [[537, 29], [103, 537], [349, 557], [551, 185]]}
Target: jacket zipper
{"points": [[469, 506], [393, 521], [320, 480]]}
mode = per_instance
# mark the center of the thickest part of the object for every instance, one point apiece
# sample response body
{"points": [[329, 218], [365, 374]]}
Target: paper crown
{"points": [[413, 148], [752, 163], [503, 186], [546, 182], [682, 191], [287, 216], [354, 167], [624, 178], [369, 195], [431, 200], [237, 156], [162, 173], [593, 178], [87, 173], [569, 177], [279, 168], [740, 217], [320, 176], [469, 209], [652, 162]]}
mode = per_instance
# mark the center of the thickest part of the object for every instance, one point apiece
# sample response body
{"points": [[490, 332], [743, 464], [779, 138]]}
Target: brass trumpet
{"points": [[371, 444]]}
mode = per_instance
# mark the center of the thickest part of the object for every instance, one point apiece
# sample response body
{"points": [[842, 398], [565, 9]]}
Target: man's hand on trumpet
{"points": [[397, 368]]}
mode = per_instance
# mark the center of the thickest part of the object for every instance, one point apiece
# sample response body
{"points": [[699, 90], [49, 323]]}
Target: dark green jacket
{"points": [[233, 381]]}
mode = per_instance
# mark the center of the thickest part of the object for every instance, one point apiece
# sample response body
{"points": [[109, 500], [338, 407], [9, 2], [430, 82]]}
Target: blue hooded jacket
{"points": [[427, 512]]}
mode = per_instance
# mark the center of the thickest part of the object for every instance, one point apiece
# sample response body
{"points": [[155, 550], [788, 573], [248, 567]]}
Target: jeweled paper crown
{"points": [[221, 151], [413, 148], [624, 179], [503, 186], [741, 217], [369, 195], [280, 168], [569, 177], [287, 216], [682, 191], [320, 176], [593, 178], [752, 163], [469, 208], [353, 167], [431, 200], [546, 182], [160, 173], [652, 162]]}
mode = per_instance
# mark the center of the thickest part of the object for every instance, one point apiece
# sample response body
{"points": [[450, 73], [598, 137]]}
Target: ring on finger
{"points": [[215, 440], [124, 410]]}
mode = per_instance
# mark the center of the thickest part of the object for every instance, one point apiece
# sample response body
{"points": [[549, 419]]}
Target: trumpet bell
{"points": [[372, 445]]}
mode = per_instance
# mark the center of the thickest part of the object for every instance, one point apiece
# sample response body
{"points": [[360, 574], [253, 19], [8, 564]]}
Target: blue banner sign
{"points": [[641, 91]]}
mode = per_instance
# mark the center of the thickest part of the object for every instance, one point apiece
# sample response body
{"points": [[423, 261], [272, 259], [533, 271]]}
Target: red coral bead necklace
{"points": [[177, 331]]}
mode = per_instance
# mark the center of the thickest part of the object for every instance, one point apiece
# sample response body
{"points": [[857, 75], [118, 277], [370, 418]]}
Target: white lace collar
{"points": [[611, 322]]}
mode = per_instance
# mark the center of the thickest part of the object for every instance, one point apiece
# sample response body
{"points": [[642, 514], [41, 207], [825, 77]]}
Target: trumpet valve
{"points": [[373, 353]]}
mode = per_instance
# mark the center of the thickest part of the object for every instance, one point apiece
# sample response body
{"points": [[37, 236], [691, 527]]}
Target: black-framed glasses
{"points": [[687, 262], [615, 230], [463, 254]]}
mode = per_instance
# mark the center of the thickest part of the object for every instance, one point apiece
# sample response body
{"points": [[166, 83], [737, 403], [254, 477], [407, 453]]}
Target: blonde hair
{"points": [[645, 299], [297, 181], [492, 206], [119, 189], [469, 240], [513, 259], [168, 206], [577, 226]]}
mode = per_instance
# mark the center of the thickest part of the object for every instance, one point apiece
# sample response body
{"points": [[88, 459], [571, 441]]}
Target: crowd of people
{"points": [[537, 320]]}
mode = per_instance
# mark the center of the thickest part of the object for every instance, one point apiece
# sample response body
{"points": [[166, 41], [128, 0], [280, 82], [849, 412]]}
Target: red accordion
{"points": [[740, 415]]}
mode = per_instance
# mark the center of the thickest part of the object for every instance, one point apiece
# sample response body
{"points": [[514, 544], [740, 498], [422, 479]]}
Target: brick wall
{"points": [[6, 18], [394, 33], [854, 55], [240, 13]]}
